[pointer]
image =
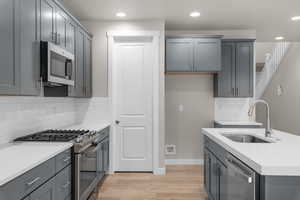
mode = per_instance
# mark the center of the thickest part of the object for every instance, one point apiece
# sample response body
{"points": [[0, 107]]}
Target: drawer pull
{"points": [[33, 181], [67, 159], [65, 186]]}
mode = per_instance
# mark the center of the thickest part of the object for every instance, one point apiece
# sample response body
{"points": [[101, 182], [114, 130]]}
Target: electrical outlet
{"points": [[170, 149], [279, 90]]}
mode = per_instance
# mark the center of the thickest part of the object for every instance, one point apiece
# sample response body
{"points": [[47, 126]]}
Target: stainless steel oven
{"points": [[56, 65], [88, 169]]}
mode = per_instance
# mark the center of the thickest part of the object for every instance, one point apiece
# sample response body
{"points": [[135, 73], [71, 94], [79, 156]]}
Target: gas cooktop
{"points": [[54, 135]]}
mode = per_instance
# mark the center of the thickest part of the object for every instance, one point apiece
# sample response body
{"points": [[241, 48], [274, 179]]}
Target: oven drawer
{"points": [[63, 184], [62, 160], [26, 183]]}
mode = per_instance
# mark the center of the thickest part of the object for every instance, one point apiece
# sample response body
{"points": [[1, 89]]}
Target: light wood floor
{"points": [[180, 183]]}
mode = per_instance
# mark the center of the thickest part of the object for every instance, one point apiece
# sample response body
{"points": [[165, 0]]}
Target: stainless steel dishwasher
{"points": [[240, 180]]}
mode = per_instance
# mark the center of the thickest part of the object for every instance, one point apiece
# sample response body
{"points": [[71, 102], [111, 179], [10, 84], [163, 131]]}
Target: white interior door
{"points": [[133, 61]]}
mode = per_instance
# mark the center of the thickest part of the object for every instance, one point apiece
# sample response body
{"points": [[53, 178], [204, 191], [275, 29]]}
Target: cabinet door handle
{"points": [[33, 181], [67, 159], [232, 91], [53, 35], [65, 186], [58, 38]]}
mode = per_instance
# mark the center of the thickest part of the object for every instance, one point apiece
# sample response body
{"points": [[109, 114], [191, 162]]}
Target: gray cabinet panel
{"points": [[29, 47], [179, 55], [45, 192], [236, 76], [9, 71], [79, 77], [61, 25], [70, 36], [88, 67], [62, 160], [207, 55], [28, 182], [244, 69], [226, 77], [48, 21], [63, 184]]}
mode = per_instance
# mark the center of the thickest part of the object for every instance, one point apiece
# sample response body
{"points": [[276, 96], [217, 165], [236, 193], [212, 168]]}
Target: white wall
{"points": [[100, 67], [189, 107]]}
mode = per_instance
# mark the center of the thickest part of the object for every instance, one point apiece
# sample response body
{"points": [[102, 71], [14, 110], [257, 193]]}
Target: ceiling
{"points": [[268, 17]]}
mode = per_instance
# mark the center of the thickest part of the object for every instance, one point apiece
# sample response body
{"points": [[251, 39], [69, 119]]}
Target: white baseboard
{"points": [[159, 171], [184, 161]]}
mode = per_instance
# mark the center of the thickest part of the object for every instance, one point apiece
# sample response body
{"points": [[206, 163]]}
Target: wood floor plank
{"points": [[180, 183]]}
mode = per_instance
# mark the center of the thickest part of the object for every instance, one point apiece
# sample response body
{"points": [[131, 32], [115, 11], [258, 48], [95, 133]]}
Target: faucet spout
{"points": [[268, 132]]}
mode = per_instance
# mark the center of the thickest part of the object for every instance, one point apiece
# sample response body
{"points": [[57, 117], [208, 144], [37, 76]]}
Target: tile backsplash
{"points": [[232, 109], [20, 116]]}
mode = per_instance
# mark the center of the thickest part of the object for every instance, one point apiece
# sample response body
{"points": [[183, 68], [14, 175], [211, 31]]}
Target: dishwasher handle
{"points": [[240, 170]]}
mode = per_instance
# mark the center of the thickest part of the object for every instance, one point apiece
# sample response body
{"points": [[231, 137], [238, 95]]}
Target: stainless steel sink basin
{"points": [[243, 138]]}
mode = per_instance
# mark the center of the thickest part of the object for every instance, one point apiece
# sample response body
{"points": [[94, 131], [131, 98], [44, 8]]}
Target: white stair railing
{"points": [[271, 66]]}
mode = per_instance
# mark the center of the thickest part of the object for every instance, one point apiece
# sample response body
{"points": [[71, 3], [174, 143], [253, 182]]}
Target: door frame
{"points": [[111, 35]]}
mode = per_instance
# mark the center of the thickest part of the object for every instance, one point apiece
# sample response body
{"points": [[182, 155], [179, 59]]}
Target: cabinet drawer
{"points": [[62, 160], [26, 183], [63, 184]]}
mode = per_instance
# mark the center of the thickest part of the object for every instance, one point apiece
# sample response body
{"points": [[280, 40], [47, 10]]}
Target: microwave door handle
{"points": [[68, 67]]}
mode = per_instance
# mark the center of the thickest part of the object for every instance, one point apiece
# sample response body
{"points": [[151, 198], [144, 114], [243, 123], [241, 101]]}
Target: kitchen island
{"points": [[264, 169]]}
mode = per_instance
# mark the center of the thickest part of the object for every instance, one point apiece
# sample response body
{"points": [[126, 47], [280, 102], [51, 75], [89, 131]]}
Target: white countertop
{"points": [[238, 123], [280, 158], [20, 157]]}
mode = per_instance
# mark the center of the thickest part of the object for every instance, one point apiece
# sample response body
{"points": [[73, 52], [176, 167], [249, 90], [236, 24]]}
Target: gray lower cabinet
{"points": [[44, 182], [236, 76], [10, 68], [179, 54], [207, 55], [228, 179], [45, 192], [194, 54]]}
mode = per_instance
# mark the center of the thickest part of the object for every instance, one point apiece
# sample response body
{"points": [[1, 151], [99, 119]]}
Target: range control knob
{"points": [[79, 139]]}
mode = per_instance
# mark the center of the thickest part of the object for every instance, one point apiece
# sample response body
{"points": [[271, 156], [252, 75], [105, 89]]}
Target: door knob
{"points": [[117, 122]]}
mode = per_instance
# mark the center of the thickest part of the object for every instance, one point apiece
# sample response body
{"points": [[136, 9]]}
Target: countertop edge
{"points": [[17, 174]]}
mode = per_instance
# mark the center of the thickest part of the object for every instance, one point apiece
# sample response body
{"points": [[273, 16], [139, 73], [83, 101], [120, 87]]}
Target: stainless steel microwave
{"points": [[56, 64]]}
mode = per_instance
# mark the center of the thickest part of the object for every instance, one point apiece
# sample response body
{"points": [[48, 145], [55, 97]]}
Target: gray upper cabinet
{"points": [[29, 47], [48, 21], [236, 76], [244, 69], [78, 90], [207, 55], [70, 36], [179, 55], [24, 23], [61, 25], [10, 69], [195, 54], [88, 67]]}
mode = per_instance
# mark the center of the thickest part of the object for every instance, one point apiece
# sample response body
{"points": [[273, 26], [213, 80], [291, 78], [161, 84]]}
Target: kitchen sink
{"points": [[244, 138]]}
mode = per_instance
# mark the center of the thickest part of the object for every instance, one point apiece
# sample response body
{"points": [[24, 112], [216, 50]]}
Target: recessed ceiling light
{"points": [[295, 18], [279, 38], [195, 14], [121, 14]]}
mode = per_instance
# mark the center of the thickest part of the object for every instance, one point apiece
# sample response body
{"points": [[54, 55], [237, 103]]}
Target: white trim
{"points": [[155, 34], [184, 161], [133, 33], [159, 171]]}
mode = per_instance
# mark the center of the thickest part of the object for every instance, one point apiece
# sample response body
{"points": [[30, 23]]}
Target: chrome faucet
{"points": [[268, 132]]}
